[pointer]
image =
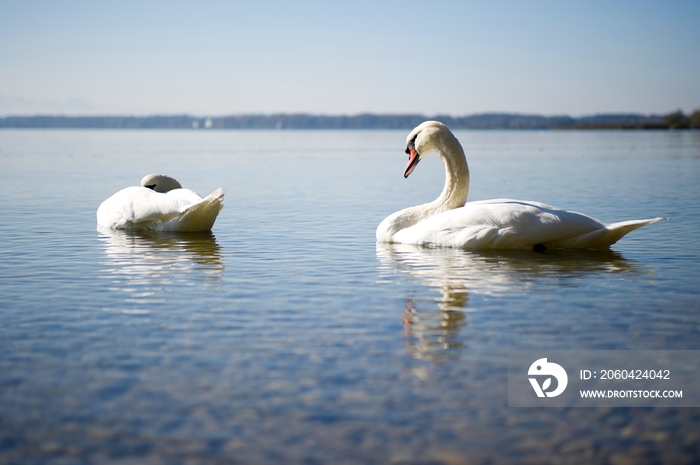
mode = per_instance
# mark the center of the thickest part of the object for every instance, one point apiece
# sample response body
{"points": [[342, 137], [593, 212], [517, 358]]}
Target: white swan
{"points": [[488, 224], [160, 204]]}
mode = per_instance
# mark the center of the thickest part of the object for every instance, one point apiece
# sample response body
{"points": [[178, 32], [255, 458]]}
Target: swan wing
{"points": [[514, 224]]}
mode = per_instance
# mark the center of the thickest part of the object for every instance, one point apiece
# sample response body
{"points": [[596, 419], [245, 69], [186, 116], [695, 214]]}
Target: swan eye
{"points": [[411, 145]]}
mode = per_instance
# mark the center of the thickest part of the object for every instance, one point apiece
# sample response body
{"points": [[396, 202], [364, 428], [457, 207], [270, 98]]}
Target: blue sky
{"points": [[211, 58]]}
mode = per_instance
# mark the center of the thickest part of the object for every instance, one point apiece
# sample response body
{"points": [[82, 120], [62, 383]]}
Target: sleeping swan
{"points": [[488, 224], [160, 204]]}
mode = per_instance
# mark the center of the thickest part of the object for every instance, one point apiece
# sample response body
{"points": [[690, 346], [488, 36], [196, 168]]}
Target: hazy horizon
{"points": [[80, 58], [327, 114]]}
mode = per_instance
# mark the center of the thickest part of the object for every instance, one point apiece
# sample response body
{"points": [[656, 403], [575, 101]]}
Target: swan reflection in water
{"points": [[434, 325], [144, 264]]}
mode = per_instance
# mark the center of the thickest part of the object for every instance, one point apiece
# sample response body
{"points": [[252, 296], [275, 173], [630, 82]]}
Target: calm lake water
{"points": [[287, 335]]}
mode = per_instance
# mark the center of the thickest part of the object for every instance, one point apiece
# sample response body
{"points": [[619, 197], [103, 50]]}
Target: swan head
{"points": [[424, 138], [160, 183]]}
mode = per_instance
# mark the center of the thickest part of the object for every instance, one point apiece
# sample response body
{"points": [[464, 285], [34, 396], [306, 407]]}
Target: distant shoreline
{"points": [[363, 121]]}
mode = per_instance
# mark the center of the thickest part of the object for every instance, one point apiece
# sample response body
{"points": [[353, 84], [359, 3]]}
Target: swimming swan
{"points": [[160, 204], [488, 224]]}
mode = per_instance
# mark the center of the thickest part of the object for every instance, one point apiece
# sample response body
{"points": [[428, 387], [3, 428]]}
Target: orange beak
{"points": [[413, 159]]}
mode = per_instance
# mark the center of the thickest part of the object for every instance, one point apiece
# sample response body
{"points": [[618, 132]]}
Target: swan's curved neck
{"points": [[454, 194]]}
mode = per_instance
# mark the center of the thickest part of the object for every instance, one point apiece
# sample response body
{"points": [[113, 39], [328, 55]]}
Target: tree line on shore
{"points": [[675, 120]]}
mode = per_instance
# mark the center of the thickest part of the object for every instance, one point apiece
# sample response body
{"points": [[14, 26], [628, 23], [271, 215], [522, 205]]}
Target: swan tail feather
{"points": [[200, 216], [604, 237]]}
